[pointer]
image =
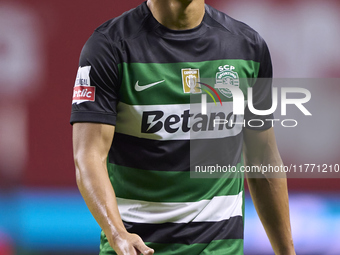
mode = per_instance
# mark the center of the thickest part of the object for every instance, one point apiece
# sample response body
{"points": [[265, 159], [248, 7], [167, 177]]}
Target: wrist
{"points": [[113, 236]]}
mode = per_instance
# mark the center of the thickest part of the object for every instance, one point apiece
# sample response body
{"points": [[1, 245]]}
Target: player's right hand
{"points": [[130, 244]]}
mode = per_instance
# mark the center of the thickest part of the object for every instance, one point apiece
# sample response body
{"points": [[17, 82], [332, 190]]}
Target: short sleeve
{"points": [[95, 94], [262, 91]]}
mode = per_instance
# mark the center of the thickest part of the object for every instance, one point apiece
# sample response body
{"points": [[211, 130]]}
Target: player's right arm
{"points": [[91, 144]]}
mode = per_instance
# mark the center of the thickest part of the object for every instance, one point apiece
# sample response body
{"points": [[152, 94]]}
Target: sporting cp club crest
{"points": [[190, 77], [227, 77]]}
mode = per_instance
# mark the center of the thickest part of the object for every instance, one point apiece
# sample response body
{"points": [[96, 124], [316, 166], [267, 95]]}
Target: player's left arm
{"points": [[269, 193]]}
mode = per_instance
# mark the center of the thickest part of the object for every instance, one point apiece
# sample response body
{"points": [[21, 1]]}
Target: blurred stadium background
{"points": [[41, 211]]}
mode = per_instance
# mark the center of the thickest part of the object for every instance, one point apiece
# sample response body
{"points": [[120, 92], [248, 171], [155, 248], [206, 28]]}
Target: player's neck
{"points": [[177, 14]]}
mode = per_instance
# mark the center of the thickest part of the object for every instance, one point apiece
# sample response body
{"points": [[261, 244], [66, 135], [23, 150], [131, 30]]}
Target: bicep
{"points": [[92, 140], [260, 147]]}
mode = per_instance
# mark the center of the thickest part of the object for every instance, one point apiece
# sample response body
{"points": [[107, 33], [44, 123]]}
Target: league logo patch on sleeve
{"points": [[83, 91]]}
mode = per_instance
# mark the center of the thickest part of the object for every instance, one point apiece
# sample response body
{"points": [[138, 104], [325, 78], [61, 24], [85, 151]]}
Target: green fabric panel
{"points": [[171, 90]]}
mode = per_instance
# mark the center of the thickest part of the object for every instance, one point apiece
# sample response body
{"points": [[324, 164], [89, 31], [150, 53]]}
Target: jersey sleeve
{"points": [[262, 91], [95, 94]]}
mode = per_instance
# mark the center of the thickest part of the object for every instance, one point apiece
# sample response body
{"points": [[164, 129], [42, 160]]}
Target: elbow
{"points": [[78, 171], [78, 178]]}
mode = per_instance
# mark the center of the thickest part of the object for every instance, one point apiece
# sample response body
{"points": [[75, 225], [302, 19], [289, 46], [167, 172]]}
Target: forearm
{"points": [[270, 197], [91, 144], [269, 190], [96, 189]]}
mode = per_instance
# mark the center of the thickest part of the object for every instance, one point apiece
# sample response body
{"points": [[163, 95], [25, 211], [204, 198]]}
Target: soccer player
{"points": [[135, 132]]}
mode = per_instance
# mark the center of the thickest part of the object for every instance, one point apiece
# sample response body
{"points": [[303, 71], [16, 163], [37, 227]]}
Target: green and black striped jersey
{"points": [[139, 76]]}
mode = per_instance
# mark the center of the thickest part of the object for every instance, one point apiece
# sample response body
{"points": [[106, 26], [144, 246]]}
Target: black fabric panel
{"points": [[262, 90], [139, 38], [93, 117], [157, 155], [188, 233], [103, 75], [153, 49]]}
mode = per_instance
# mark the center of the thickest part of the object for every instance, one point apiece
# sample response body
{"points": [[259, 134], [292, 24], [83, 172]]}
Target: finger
{"points": [[145, 250], [125, 248]]}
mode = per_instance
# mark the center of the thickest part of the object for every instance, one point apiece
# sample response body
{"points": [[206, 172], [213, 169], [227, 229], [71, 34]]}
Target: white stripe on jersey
{"points": [[130, 117], [217, 209]]}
